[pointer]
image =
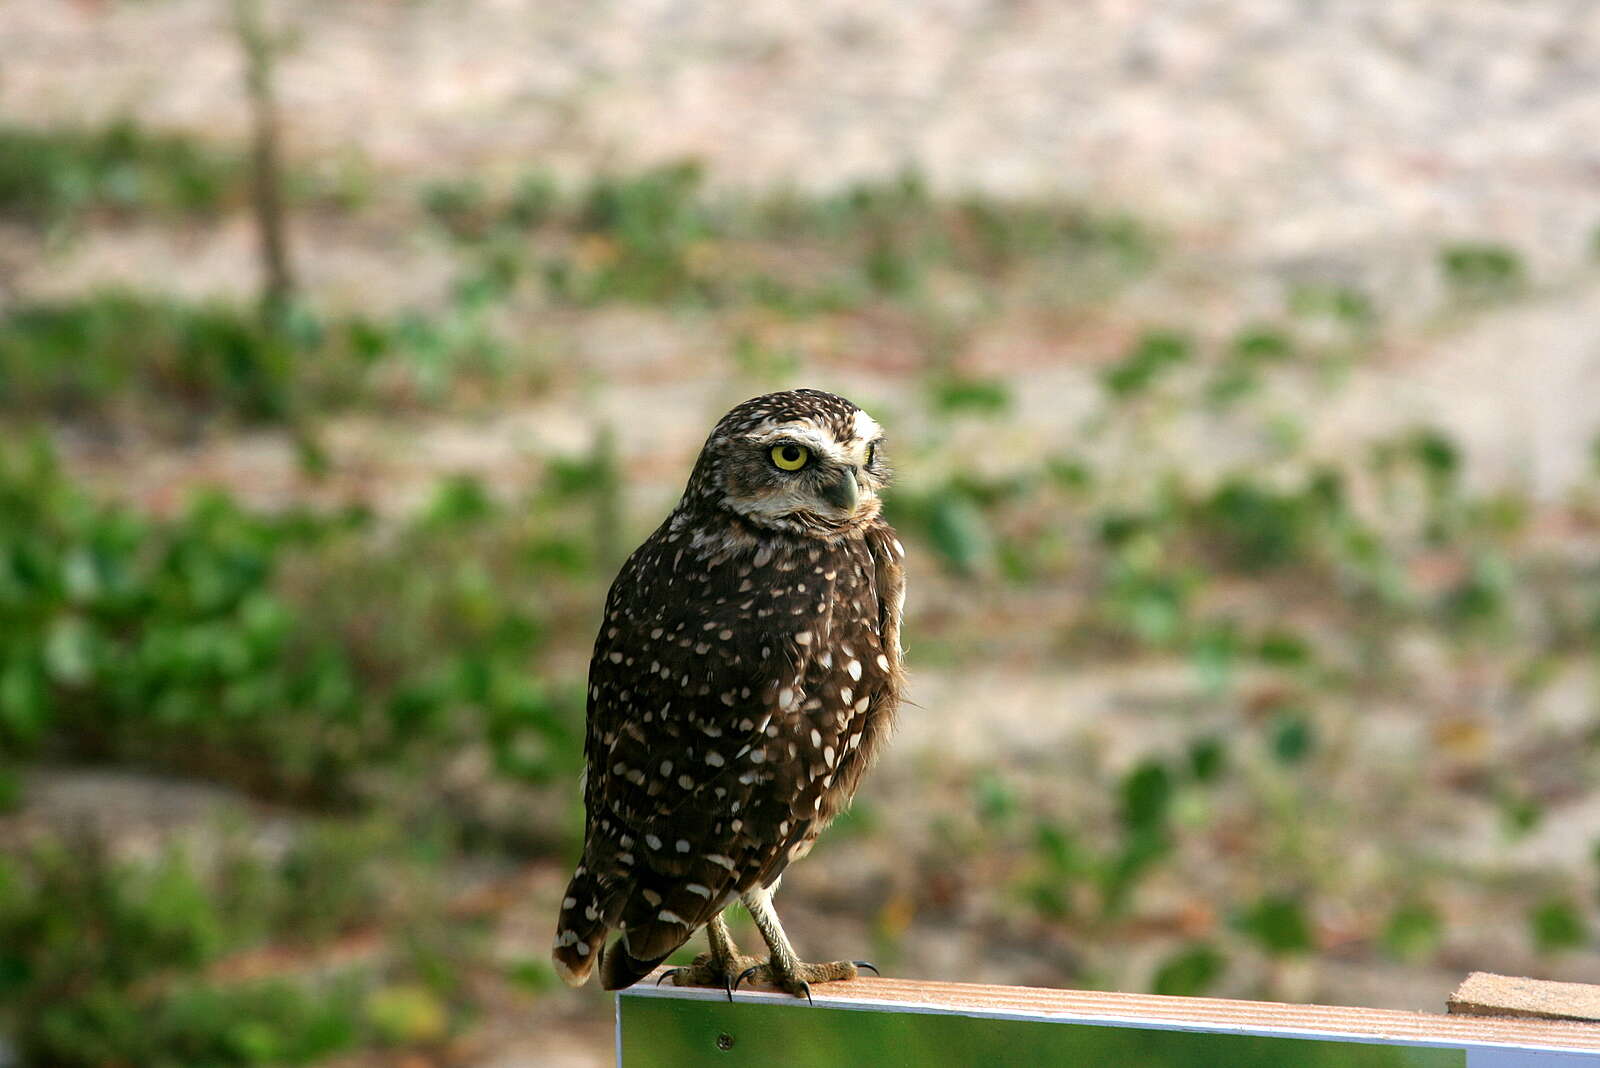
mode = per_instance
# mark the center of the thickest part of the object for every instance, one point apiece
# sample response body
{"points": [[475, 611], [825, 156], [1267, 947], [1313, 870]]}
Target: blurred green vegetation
{"points": [[1482, 271], [279, 651], [54, 176], [305, 658], [176, 368], [660, 237], [1290, 584], [73, 359], [50, 175], [107, 961]]}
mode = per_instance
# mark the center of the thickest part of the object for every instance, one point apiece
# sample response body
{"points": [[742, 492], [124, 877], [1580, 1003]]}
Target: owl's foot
{"points": [[708, 969], [796, 979]]}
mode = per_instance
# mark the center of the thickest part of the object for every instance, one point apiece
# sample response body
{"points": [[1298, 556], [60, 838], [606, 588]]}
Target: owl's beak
{"points": [[843, 493]]}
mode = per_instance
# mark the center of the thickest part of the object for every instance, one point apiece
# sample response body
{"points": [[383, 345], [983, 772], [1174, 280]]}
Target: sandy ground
{"points": [[1297, 127]]}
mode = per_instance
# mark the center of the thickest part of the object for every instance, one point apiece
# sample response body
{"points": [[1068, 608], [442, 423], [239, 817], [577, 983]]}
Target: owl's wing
{"points": [[851, 685], [889, 580], [683, 685], [883, 673]]}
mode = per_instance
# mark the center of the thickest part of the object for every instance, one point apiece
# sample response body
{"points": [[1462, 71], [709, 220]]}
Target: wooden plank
{"points": [[1150, 1011], [676, 1033], [1487, 994]]}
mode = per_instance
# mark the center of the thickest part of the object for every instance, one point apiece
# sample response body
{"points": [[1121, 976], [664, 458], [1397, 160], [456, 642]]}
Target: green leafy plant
{"points": [[1156, 353], [50, 175], [1278, 924], [1414, 930], [1189, 972], [106, 959], [1481, 270], [1557, 925], [176, 367], [184, 642], [979, 396]]}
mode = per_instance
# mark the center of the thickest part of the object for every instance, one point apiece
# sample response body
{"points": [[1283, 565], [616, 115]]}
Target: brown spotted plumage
{"points": [[745, 676]]}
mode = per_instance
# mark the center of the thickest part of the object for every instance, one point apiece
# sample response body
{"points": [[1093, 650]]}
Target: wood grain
{"points": [[1487, 994], [1179, 1012]]}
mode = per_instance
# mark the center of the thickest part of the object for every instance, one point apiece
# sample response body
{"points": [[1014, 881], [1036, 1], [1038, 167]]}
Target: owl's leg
{"points": [[720, 967], [785, 970]]}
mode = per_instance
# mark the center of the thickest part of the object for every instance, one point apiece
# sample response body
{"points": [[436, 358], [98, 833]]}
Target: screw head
{"points": [[724, 1042]]}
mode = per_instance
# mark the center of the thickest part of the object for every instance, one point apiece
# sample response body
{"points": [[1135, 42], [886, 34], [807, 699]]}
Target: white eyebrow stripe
{"points": [[867, 429], [804, 435]]}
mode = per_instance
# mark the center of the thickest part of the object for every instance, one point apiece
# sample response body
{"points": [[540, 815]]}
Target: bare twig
{"points": [[260, 47]]}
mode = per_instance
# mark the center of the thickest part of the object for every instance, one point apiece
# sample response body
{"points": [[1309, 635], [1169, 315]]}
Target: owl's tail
{"points": [[588, 912], [657, 911], [619, 968]]}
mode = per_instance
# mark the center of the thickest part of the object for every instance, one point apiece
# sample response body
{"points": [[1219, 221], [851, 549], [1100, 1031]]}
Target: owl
{"points": [[745, 677]]}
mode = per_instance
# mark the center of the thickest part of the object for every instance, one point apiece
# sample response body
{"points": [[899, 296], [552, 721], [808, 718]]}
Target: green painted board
{"points": [[680, 1033]]}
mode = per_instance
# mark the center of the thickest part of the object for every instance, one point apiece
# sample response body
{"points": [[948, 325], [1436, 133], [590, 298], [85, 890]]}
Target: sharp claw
{"points": [[867, 964], [747, 973], [805, 988], [727, 984], [668, 974]]}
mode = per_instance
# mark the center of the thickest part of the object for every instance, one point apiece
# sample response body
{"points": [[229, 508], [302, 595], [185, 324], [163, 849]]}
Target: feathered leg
{"points": [[784, 969], [720, 967]]}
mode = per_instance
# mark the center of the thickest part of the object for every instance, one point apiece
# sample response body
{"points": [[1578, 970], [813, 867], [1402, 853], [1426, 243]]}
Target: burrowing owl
{"points": [[745, 676]]}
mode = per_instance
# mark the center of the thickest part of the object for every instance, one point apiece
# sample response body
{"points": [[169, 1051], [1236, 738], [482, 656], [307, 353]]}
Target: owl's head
{"points": [[801, 461]]}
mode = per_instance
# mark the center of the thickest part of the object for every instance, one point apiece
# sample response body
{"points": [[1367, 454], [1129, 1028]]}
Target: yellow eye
{"points": [[872, 454], [790, 457]]}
